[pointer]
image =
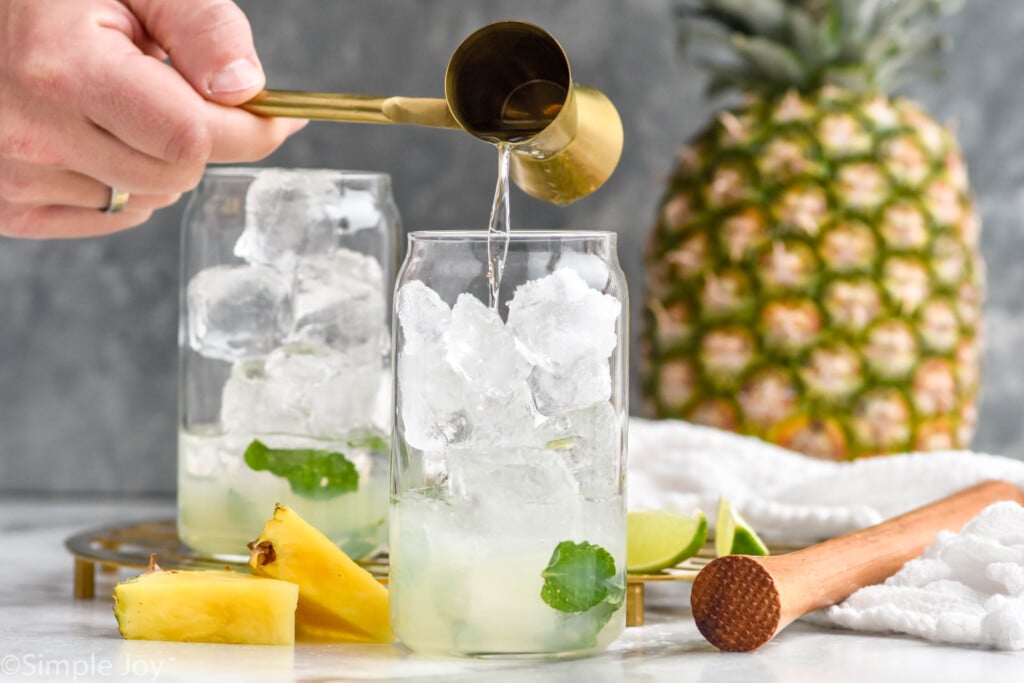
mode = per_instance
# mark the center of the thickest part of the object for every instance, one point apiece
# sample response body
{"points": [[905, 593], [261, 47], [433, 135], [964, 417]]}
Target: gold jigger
{"points": [[507, 82]]}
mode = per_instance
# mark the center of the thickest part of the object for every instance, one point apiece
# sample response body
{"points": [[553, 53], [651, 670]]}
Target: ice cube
{"points": [[237, 311], [511, 488], [210, 454], [558, 321], [423, 316], [338, 397], [289, 213], [358, 210], [431, 400], [588, 382], [591, 267], [504, 421], [350, 401], [506, 479], [254, 403], [589, 444], [302, 390], [339, 301], [380, 410], [482, 349]]}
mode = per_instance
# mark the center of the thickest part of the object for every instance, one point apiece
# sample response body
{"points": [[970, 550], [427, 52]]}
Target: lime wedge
{"points": [[733, 536], [656, 539]]}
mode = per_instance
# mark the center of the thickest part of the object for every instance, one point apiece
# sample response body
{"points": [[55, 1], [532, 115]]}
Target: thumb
{"points": [[209, 43]]}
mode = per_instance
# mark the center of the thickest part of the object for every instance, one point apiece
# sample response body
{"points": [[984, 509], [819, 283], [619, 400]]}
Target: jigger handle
{"points": [[325, 106], [740, 602]]}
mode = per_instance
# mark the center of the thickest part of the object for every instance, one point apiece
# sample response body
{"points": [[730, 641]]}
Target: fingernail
{"points": [[237, 76]]}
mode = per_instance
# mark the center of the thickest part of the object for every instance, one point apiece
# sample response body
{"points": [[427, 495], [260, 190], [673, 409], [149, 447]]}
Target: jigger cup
{"points": [[507, 82]]}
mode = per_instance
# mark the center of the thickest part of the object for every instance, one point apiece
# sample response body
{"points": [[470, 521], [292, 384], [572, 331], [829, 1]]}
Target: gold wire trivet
{"points": [[111, 548]]}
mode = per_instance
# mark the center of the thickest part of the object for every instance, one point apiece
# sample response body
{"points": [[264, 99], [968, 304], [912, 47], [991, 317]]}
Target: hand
{"points": [[87, 103]]}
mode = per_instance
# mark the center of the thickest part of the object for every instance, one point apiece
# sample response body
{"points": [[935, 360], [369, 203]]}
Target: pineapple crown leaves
{"points": [[771, 46]]}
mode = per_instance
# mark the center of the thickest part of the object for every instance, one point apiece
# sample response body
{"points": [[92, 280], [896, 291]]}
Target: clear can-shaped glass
{"points": [[508, 467], [285, 373]]}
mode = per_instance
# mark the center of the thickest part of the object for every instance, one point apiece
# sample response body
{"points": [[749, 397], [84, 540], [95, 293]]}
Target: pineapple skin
{"points": [[338, 600], [206, 607], [814, 279]]}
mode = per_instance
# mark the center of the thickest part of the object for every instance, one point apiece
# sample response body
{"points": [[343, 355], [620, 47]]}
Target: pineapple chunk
{"points": [[206, 607], [338, 599]]}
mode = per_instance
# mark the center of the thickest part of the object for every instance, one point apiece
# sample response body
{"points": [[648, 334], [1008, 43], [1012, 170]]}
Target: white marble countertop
{"points": [[45, 634]]}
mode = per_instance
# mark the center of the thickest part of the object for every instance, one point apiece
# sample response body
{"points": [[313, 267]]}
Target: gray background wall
{"points": [[88, 329]]}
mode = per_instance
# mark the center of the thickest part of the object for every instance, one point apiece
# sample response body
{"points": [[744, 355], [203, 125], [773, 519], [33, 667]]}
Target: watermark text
{"points": [[31, 665]]}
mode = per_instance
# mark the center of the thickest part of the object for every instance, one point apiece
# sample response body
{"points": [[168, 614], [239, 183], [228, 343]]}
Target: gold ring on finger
{"points": [[118, 200]]}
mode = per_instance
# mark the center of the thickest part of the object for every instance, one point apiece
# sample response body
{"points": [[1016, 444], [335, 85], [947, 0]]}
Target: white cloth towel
{"points": [[967, 588]]}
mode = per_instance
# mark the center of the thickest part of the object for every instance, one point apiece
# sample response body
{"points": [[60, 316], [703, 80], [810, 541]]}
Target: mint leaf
{"points": [[579, 577], [311, 473], [581, 580]]}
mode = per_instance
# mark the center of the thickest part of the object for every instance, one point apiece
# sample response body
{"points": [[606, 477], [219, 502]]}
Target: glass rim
{"points": [[517, 235], [253, 171]]}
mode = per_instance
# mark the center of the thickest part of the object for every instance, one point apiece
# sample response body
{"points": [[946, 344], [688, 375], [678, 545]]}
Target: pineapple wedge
{"points": [[338, 599], [206, 607]]}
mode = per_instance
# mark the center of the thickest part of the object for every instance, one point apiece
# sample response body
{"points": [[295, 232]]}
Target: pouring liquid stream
{"points": [[499, 226], [527, 111]]}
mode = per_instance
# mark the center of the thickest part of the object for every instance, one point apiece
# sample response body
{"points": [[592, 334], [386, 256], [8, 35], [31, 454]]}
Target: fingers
{"points": [[146, 104], [51, 222], [29, 185], [240, 136], [126, 23], [209, 42], [88, 104], [227, 135], [45, 203], [52, 139]]}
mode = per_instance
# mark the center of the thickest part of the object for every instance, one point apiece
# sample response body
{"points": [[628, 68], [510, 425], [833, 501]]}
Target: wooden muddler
{"points": [[740, 602]]}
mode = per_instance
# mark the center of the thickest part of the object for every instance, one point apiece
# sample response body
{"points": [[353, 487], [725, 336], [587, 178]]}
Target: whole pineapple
{"points": [[814, 276]]}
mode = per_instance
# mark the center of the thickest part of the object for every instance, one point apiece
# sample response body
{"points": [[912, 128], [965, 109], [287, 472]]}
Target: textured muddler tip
{"points": [[736, 603]]}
